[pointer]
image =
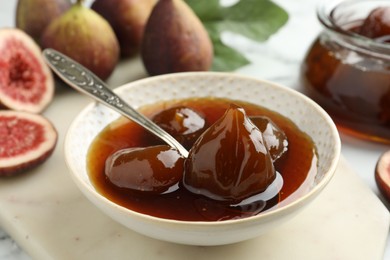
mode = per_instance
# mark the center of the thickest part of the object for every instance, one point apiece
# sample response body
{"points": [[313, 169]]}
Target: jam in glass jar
{"points": [[348, 73]]}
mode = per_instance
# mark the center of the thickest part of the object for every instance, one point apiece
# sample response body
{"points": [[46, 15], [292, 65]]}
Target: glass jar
{"points": [[349, 74]]}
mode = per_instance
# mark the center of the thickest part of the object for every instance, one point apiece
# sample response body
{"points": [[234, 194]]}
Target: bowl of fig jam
{"points": [[258, 154], [347, 68]]}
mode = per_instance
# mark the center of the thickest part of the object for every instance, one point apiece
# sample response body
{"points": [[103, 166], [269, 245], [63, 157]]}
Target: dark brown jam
{"points": [[295, 165], [349, 75]]}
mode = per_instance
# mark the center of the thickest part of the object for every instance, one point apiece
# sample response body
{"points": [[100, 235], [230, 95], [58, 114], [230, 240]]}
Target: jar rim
{"points": [[326, 15]]}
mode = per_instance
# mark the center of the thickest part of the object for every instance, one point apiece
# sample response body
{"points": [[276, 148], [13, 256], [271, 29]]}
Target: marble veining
{"points": [[9, 250]]}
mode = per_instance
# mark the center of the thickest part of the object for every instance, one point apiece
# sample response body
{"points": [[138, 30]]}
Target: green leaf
{"points": [[226, 58], [206, 10], [254, 19]]}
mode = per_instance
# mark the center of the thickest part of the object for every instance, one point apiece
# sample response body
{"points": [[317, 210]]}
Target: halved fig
{"points": [[382, 174], [26, 141], [26, 83]]}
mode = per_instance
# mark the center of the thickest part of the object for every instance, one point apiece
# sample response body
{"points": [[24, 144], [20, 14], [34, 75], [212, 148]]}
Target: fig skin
{"points": [[27, 140], [175, 40], [26, 82], [86, 37], [33, 16], [229, 162], [382, 175], [128, 19], [152, 169]]}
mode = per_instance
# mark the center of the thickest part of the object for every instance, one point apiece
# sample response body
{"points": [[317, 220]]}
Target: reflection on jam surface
{"points": [[295, 168]]}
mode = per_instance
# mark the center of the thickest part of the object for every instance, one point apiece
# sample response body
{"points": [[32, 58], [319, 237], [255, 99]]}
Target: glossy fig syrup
{"points": [[347, 69], [297, 166]]}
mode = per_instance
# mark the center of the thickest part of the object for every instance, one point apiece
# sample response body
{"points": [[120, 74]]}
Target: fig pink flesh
{"points": [[19, 135], [26, 141], [21, 76]]}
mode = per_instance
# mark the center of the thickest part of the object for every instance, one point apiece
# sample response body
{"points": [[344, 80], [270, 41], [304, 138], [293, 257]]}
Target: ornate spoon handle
{"points": [[83, 80]]}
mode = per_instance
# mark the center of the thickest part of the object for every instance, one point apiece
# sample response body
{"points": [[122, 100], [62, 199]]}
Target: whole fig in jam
{"points": [[274, 138], [152, 169], [377, 24], [229, 162], [183, 123]]}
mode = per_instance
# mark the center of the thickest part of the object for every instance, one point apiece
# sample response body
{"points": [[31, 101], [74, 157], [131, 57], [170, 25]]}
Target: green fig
{"points": [[33, 16], [86, 37], [175, 40], [128, 19]]}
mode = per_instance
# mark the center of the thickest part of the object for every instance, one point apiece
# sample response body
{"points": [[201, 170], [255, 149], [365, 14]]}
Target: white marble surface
{"points": [[278, 59]]}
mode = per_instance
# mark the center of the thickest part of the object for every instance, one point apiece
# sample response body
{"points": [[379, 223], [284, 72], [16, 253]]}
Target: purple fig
{"points": [[128, 19], [175, 40]]}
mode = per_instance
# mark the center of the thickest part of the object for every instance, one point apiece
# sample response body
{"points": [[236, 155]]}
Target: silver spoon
{"points": [[83, 80]]}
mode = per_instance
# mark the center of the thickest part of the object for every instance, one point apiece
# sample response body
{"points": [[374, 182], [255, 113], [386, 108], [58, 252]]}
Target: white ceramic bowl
{"points": [[304, 112]]}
